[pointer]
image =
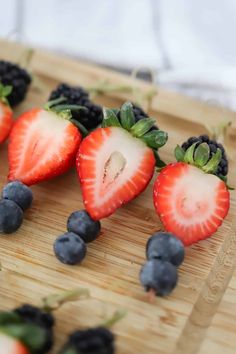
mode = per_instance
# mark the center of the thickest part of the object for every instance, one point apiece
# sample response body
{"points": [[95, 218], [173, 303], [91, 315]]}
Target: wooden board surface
{"points": [[176, 324]]}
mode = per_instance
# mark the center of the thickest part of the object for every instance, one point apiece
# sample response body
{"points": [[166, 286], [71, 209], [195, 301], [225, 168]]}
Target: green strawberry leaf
{"points": [[127, 115], [32, 336], [202, 154], [6, 91], [142, 127], [110, 119], [213, 163], [189, 154], [179, 153], [155, 138], [9, 318]]}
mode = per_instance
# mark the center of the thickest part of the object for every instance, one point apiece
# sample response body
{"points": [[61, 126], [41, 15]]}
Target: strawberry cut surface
{"points": [[191, 204], [42, 145], [6, 121], [114, 168], [10, 345]]}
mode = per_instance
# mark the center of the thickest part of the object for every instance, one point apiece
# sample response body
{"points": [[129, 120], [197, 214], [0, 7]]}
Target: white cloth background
{"points": [[189, 43]]}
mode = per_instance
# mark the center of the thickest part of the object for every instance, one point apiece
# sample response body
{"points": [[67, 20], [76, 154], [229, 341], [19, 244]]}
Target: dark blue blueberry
{"points": [[83, 225], [69, 248], [159, 276], [19, 193], [165, 247], [11, 216]]}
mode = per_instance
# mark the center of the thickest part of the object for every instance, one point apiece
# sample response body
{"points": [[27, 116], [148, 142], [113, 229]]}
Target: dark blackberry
{"points": [[138, 115], [11, 74], [91, 341], [89, 118], [32, 314], [222, 169]]}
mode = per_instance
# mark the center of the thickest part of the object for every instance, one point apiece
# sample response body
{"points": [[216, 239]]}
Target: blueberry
{"points": [[69, 248], [11, 216], [165, 247], [81, 224], [159, 276], [19, 193]]}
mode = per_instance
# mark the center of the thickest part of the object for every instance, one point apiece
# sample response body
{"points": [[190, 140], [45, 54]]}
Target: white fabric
{"points": [[189, 43]]}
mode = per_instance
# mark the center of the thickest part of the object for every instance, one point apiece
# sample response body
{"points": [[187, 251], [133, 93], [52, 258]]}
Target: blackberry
{"points": [[138, 115], [11, 74], [32, 314], [89, 118], [98, 340], [222, 169]]}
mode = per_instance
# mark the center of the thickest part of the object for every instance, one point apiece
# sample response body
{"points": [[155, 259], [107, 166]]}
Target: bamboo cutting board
{"points": [[176, 324]]}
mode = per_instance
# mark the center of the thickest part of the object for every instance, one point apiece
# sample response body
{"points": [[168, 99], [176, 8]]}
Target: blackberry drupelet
{"points": [[222, 169], [138, 115], [11, 74], [91, 341], [89, 118], [32, 314]]}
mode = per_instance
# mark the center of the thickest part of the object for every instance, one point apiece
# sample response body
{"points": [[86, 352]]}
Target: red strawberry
{"points": [[6, 121], [42, 145], [115, 166], [191, 203], [9, 345]]}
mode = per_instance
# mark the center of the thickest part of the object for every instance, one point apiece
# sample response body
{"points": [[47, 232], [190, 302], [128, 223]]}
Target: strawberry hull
{"points": [[113, 168], [10, 345]]}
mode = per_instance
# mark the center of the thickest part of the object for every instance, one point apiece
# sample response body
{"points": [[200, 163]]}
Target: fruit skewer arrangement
{"points": [[115, 163]]}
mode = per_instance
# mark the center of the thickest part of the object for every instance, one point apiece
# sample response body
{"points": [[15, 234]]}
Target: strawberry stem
{"points": [[71, 107], [54, 301], [116, 317], [52, 103]]}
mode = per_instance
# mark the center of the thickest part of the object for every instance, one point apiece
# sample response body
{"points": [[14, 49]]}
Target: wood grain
{"points": [[110, 271]]}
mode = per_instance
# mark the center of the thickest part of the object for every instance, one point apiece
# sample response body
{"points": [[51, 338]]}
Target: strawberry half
{"points": [[6, 116], [9, 345], [115, 163], [190, 201], [43, 144]]}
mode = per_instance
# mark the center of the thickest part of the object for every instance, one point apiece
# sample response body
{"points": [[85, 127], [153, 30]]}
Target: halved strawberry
{"points": [[6, 121], [115, 164], [191, 203], [43, 145], [6, 115], [10, 345]]}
